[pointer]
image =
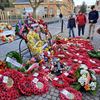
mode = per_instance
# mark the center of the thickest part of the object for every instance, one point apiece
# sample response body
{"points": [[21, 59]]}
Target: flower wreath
{"points": [[7, 87], [86, 79], [25, 85], [41, 74], [15, 75], [59, 82], [41, 86], [69, 78], [5, 38], [70, 94], [21, 34], [34, 42], [16, 56]]}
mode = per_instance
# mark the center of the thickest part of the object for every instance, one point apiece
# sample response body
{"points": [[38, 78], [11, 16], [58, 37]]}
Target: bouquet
{"points": [[86, 79]]}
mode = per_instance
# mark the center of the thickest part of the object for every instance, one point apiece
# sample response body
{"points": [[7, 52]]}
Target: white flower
{"points": [[82, 80], [83, 66], [93, 76], [84, 75], [93, 85], [92, 71], [83, 72], [93, 88]]}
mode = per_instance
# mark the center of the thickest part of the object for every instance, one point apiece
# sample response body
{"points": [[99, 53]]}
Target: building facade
{"points": [[98, 5], [6, 3], [48, 8]]}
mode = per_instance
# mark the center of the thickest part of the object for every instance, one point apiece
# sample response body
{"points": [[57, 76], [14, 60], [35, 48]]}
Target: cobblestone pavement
{"points": [[53, 94]]}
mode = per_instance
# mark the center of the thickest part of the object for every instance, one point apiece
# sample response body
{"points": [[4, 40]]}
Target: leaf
{"points": [[77, 73], [93, 92], [76, 86]]}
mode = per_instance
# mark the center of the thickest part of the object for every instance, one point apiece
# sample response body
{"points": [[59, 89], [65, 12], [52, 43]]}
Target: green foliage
{"points": [[76, 85], [77, 73], [83, 8], [93, 92]]}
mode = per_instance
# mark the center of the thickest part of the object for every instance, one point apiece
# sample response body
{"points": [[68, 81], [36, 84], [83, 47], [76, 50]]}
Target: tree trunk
{"points": [[34, 12], [35, 6]]}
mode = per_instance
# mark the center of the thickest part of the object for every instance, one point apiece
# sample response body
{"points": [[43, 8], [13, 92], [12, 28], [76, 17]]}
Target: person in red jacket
{"points": [[81, 21]]}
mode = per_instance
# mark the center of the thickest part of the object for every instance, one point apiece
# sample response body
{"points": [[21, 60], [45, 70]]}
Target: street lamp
{"points": [[59, 5], [8, 14]]}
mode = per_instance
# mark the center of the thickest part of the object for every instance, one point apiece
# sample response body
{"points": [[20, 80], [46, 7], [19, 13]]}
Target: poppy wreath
{"points": [[13, 74], [41, 74], [44, 70], [7, 89], [69, 78], [70, 94], [38, 74], [60, 82], [34, 43], [41, 86], [26, 86], [97, 70]]}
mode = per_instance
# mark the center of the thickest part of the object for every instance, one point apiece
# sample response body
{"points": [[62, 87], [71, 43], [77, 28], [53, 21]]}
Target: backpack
{"points": [[81, 19]]}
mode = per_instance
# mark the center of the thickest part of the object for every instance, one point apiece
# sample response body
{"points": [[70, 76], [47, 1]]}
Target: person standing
{"points": [[96, 39], [71, 25], [92, 17], [81, 21]]}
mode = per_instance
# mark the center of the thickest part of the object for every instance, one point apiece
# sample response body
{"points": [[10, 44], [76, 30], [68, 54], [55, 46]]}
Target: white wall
{"points": [[40, 11]]}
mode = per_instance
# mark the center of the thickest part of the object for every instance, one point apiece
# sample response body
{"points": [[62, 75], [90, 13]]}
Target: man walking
{"points": [[93, 17]]}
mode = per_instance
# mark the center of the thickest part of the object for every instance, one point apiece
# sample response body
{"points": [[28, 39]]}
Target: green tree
{"points": [[35, 4], [83, 8]]}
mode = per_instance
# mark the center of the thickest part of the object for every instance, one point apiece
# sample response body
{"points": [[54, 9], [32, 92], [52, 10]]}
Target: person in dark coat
{"points": [[71, 25], [92, 17]]}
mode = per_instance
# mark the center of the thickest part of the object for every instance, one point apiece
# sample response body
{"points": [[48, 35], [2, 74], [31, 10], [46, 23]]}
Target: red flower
{"points": [[77, 94], [7, 93], [60, 82], [26, 86], [41, 87]]}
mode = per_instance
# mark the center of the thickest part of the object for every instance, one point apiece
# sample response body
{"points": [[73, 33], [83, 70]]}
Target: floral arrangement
{"points": [[8, 84], [2, 65], [5, 25], [86, 79], [41, 86], [59, 82], [25, 85], [70, 94], [5, 38], [34, 42], [15, 75], [20, 29]]}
